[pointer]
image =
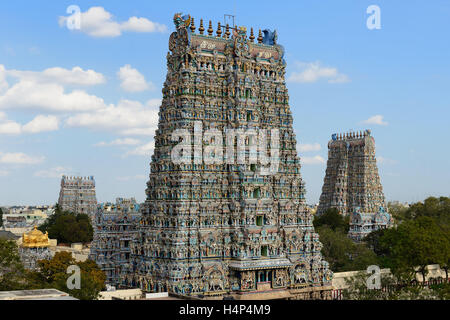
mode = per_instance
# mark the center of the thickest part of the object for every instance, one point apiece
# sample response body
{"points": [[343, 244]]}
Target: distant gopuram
{"points": [[214, 226], [352, 184], [77, 194]]}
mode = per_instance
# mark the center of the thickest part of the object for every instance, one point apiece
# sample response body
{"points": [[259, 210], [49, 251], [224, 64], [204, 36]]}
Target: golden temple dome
{"points": [[35, 239]]}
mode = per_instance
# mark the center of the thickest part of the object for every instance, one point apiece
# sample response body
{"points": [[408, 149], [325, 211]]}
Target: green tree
{"points": [[332, 218], [54, 273], [342, 253], [436, 208], [1, 217], [12, 271], [68, 227], [415, 243]]}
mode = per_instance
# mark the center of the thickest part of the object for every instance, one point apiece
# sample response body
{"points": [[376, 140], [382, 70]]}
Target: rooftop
{"points": [[40, 294]]}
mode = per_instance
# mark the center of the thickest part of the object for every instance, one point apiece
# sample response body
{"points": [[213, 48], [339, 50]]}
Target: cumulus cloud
{"points": [[10, 127], [45, 89], [376, 120], [74, 76], [119, 142], [312, 160], [132, 80], [97, 22], [143, 150], [39, 124], [308, 147], [48, 96], [20, 158], [3, 84], [56, 172], [126, 118], [310, 72]]}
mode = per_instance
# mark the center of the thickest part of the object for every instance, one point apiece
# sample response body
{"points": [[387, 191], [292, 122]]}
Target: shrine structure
{"points": [[352, 184], [215, 229], [115, 230], [77, 195]]}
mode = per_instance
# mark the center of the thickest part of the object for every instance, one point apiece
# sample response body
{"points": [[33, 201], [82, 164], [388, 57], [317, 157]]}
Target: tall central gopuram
{"points": [[227, 229]]}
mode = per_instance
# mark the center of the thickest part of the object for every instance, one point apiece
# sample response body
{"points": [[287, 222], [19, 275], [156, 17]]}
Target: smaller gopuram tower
{"points": [[351, 180], [77, 195]]}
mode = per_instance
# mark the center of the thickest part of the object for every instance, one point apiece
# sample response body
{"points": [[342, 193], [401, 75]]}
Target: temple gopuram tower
{"points": [[115, 230], [352, 184], [226, 227], [77, 194]]}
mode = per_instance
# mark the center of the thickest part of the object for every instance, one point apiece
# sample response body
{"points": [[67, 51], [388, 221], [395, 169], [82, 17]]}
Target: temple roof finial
{"points": [[192, 25], [210, 28], [201, 29], [219, 30], [252, 36], [260, 38]]}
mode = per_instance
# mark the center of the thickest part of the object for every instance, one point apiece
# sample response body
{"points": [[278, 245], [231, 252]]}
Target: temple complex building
{"points": [[115, 230], [214, 226], [77, 195], [352, 184], [35, 246]]}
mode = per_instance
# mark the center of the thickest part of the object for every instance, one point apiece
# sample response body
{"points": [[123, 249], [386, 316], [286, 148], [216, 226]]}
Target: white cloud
{"points": [[310, 72], [143, 150], [45, 89], [133, 80], [136, 177], [127, 118], [10, 127], [308, 147], [4, 173], [75, 76], [377, 120], [19, 158], [312, 160], [119, 142], [97, 22], [56, 172], [48, 96], [39, 124], [3, 84], [135, 24]]}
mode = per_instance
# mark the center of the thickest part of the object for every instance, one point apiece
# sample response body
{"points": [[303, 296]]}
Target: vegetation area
{"points": [[420, 237], [52, 273], [68, 227], [1, 217]]}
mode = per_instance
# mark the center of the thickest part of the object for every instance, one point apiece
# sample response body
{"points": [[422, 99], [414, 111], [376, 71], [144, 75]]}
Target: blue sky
{"points": [[85, 102]]}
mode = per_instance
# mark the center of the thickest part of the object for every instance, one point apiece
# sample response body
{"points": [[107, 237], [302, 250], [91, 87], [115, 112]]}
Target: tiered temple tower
{"points": [[352, 184], [114, 233], [218, 228], [77, 195]]}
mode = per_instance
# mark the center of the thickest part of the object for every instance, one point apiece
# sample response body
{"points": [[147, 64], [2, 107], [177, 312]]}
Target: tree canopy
{"points": [[68, 227], [12, 272], [53, 274], [333, 219], [1, 217]]}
